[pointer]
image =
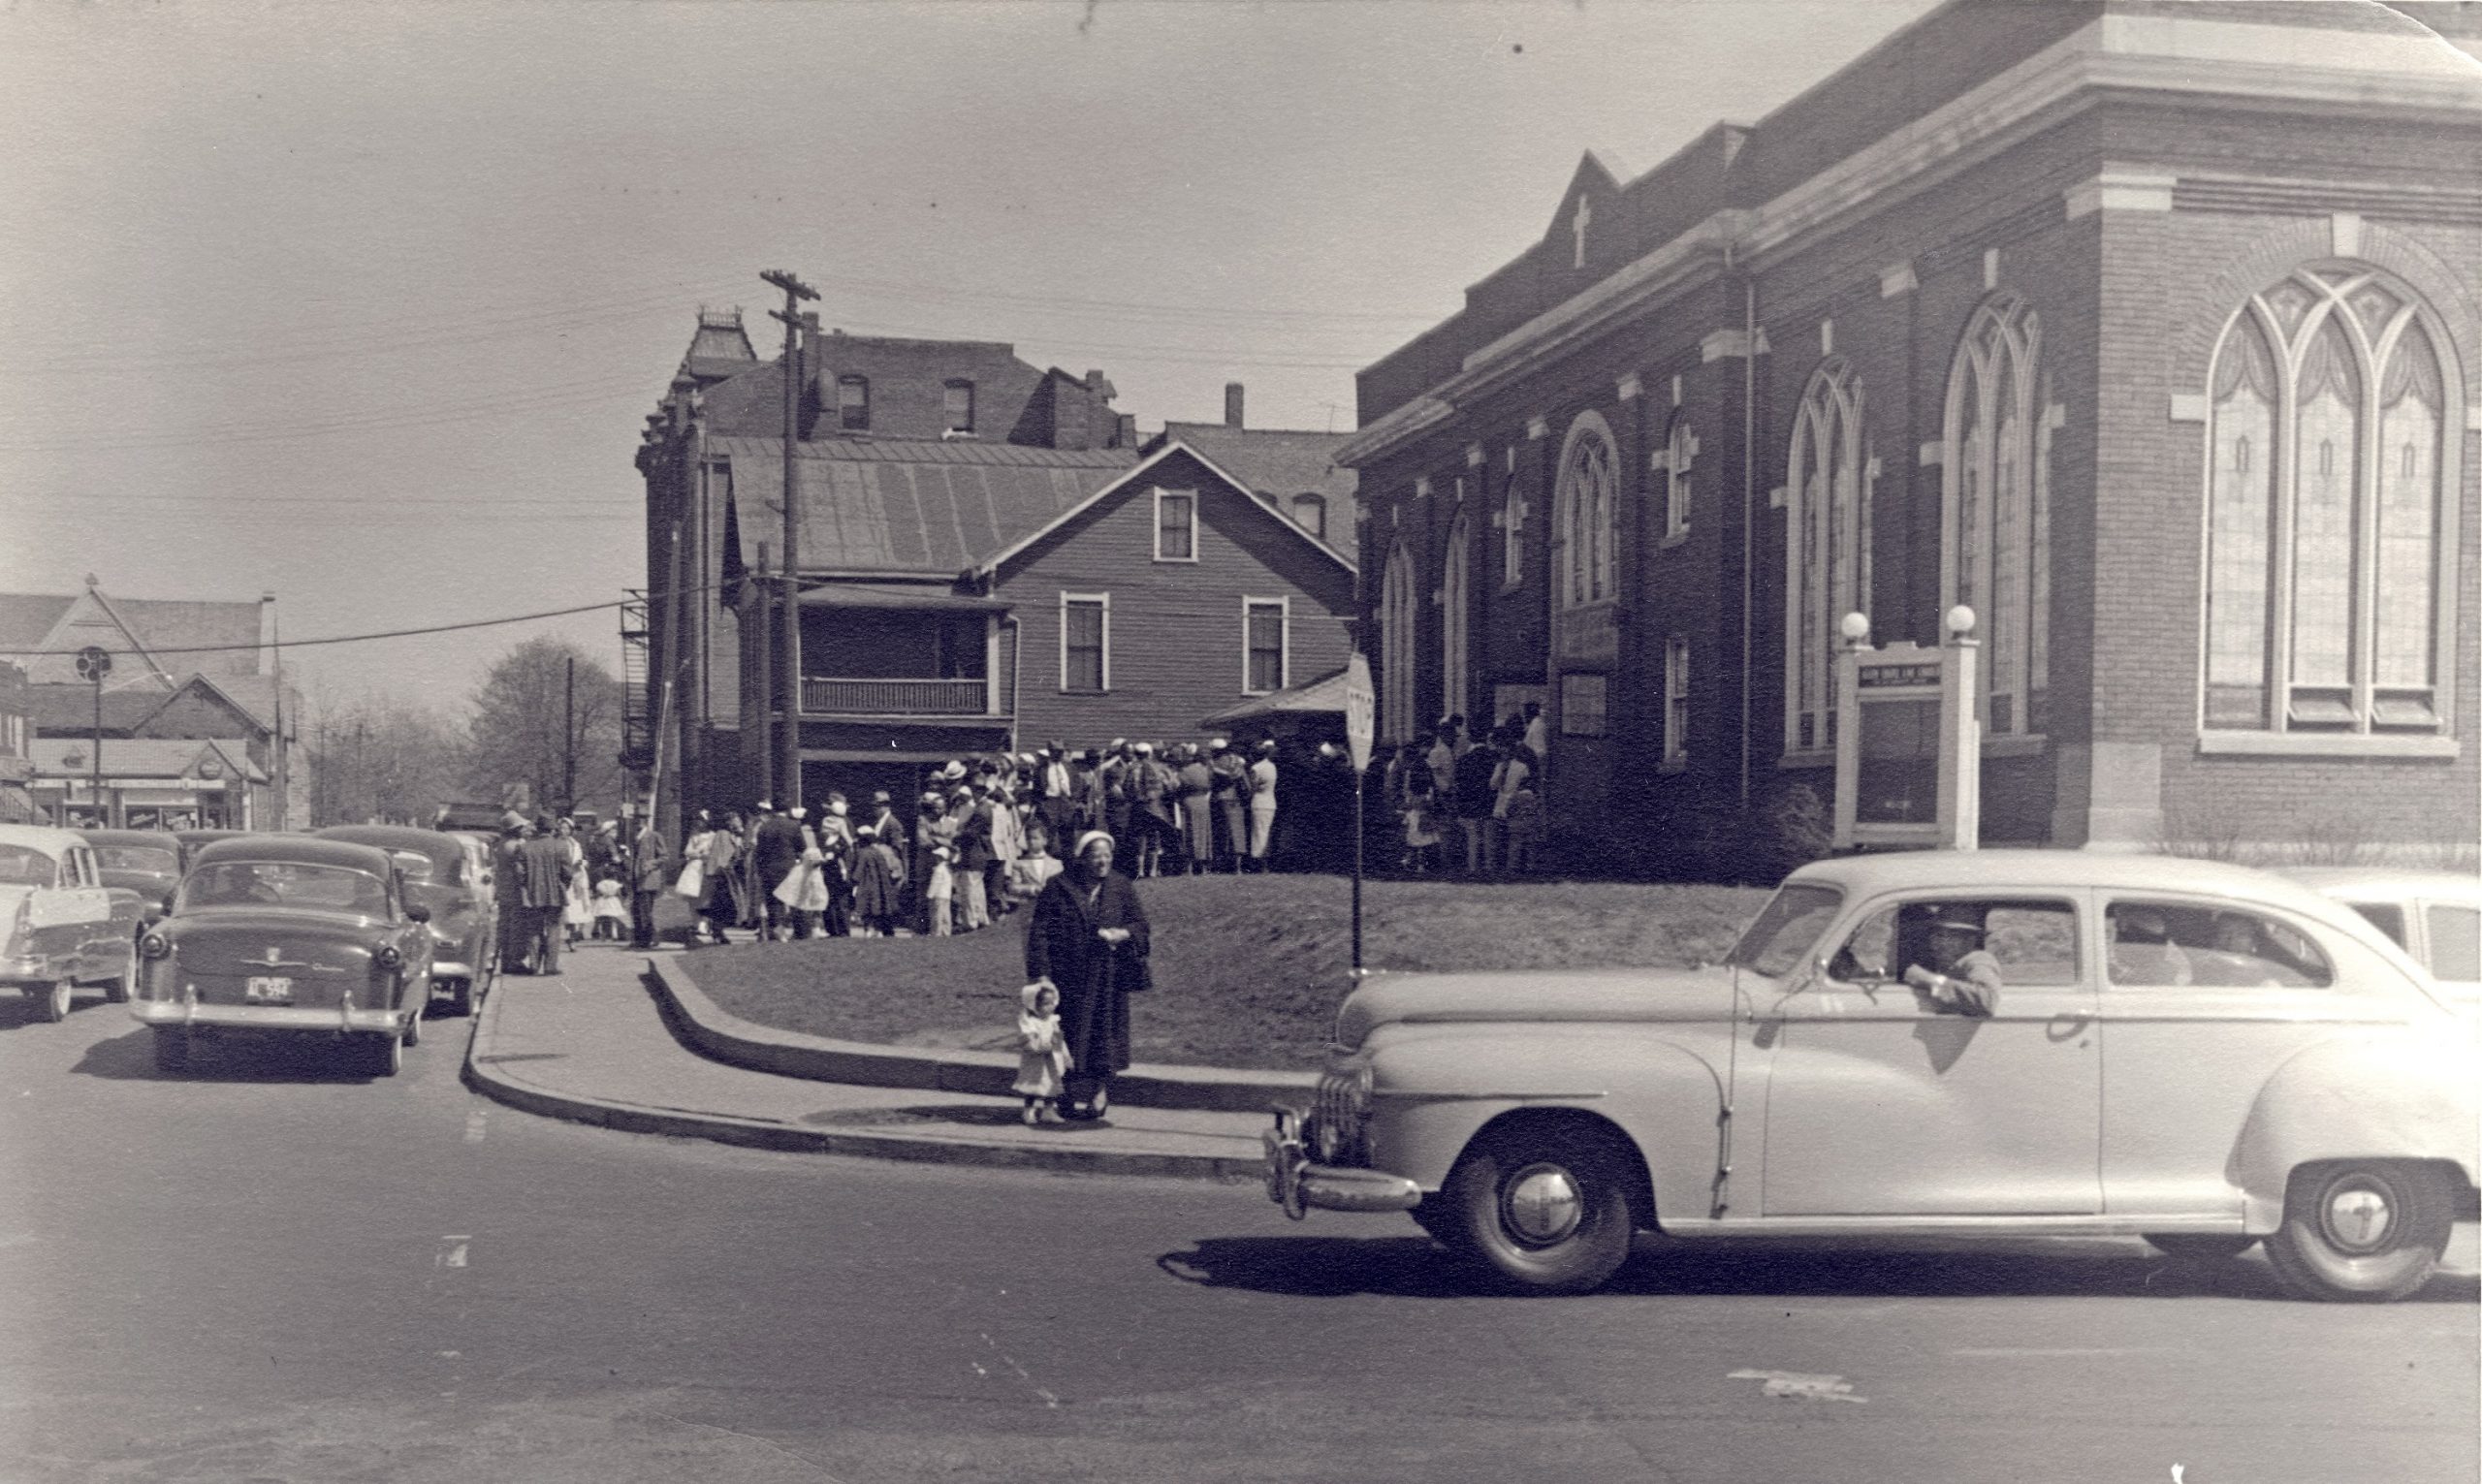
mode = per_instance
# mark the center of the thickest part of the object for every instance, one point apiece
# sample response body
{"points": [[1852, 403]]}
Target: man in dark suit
{"points": [[775, 850]]}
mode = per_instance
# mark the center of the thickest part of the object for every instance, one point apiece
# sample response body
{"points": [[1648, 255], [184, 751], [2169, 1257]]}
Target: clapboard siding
{"points": [[1177, 646]]}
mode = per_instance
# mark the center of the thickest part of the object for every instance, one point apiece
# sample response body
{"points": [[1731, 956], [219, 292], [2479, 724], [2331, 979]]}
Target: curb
{"points": [[716, 1032], [481, 1074]]}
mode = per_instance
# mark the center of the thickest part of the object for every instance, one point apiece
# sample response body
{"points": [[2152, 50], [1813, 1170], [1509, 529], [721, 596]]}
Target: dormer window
{"points": [[1309, 513], [956, 407], [1176, 525], [853, 403]]}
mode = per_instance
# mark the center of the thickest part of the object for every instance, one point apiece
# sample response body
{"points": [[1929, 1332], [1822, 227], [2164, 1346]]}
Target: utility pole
{"points": [[570, 742], [763, 684], [790, 595]]}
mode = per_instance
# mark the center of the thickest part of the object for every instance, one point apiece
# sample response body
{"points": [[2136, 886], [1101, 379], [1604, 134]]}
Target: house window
{"points": [[853, 403], [1676, 699], [1512, 537], [956, 407], [1997, 482], [1827, 548], [1586, 503], [1263, 634], [1086, 643], [1309, 513], [1680, 451], [1455, 621], [1582, 705], [1176, 525], [2326, 607], [1396, 721]]}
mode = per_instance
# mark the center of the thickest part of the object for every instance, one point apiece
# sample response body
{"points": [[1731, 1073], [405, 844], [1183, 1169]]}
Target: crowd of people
{"points": [[981, 840], [1471, 802]]}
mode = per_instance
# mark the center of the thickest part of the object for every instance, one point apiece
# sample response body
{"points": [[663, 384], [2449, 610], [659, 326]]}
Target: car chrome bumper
{"points": [[186, 1014], [1297, 1185], [450, 968]]}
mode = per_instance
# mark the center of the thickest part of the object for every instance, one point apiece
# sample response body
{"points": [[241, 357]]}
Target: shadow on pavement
{"points": [[299, 1058], [1413, 1266], [972, 1114]]}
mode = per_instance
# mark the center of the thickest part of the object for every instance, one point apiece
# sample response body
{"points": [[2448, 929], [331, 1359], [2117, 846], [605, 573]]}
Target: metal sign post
{"points": [[1361, 707], [94, 664]]}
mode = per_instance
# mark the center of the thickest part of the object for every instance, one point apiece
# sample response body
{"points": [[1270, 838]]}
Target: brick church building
{"points": [[2147, 331]]}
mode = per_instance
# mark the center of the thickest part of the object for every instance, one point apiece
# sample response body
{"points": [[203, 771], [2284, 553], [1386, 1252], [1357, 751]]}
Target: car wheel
{"points": [[1547, 1211], [460, 995], [124, 985], [2201, 1247], [2360, 1230], [57, 997], [171, 1049]]}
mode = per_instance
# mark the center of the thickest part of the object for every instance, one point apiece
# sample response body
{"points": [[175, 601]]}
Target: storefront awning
{"points": [[916, 596]]}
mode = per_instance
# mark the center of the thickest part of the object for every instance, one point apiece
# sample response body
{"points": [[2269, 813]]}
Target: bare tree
{"points": [[527, 732], [378, 759]]}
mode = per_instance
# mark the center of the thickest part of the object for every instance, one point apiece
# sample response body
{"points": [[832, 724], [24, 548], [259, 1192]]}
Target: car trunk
{"points": [[270, 958]]}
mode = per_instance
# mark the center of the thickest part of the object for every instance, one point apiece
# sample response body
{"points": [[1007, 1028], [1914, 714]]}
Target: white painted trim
{"points": [[1283, 642], [991, 565], [2120, 188], [1105, 600], [1160, 496], [2327, 745]]}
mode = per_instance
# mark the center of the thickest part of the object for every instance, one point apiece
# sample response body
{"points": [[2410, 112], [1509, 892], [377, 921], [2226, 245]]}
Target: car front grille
{"points": [[1338, 1127]]}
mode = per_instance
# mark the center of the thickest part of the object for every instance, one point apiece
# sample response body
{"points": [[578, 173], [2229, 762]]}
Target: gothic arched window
{"points": [[2325, 507], [1588, 501], [1827, 548], [1455, 644], [1396, 620], [1996, 507]]}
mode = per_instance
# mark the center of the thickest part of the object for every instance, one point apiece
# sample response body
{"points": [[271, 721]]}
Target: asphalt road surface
{"points": [[263, 1270]]}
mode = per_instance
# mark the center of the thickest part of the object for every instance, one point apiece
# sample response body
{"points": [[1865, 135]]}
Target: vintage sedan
{"points": [[287, 934], [147, 861], [438, 872], [60, 925], [2433, 915], [2000, 1043]]}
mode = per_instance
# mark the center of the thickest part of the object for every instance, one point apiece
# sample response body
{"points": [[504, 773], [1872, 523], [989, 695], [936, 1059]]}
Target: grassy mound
{"points": [[1248, 969]]}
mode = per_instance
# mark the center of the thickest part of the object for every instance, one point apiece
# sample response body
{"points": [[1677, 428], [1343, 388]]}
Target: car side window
{"points": [[2173, 944], [2455, 942], [2388, 918], [2034, 942]]}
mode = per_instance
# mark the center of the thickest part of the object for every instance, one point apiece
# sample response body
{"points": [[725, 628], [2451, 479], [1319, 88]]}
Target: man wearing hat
{"points": [[1962, 977], [1229, 781], [1056, 795], [775, 848]]}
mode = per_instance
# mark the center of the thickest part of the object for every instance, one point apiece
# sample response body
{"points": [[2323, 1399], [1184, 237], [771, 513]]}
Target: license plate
{"points": [[268, 990]]}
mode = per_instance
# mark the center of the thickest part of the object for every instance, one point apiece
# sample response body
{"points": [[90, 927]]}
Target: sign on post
{"points": [[1908, 752], [1361, 710]]}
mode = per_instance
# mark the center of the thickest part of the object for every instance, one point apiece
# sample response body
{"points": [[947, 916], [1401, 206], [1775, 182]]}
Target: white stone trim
{"points": [[1775, 498], [2473, 419], [1472, 456], [1422, 487], [2344, 232], [2188, 406], [1990, 269], [1897, 279], [1722, 344], [1826, 337], [1630, 388], [2120, 188], [2328, 745], [1675, 391], [1536, 427], [1933, 455]]}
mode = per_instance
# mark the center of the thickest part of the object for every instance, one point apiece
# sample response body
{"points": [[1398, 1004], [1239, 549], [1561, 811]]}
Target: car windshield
{"points": [[1785, 929], [155, 859], [412, 864], [284, 884], [24, 866]]}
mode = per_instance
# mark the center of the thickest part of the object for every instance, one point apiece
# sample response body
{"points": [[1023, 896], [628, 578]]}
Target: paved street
{"points": [[264, 1272]]}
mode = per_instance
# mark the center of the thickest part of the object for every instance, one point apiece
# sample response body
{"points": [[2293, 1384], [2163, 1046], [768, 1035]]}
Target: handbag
{"points": [[693, 880]]}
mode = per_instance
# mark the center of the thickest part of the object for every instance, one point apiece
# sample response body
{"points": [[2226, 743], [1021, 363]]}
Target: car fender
{"points": [[2394, 1095], [1434, 1089]]}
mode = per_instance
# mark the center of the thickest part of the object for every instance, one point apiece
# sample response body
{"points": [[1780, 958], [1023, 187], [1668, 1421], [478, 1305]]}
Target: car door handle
{"points": [[2061, 1027]]}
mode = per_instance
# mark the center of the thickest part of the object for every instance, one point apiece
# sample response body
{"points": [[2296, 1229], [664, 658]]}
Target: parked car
{"points": [[60, 925], [195, 840], [2205, 1056], [147, 861], [439, 873], [291, 936], [2433, 915]]}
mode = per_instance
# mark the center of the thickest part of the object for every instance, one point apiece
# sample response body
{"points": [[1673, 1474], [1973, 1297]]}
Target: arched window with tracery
{"points": [[1396, 620], [1456, 619], [2326, 509], [1995, 511], [1587, 502], [1827, 548]]}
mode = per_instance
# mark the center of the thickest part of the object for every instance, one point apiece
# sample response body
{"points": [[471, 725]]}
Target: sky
{"points": [[365, 304]]}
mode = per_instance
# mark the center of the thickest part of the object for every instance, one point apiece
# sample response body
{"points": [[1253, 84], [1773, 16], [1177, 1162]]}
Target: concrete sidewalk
{"points": [[592, 1046]]}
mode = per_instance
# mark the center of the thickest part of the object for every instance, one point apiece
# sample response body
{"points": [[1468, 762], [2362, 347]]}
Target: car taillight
{"points": [[154, 945], [389, 957]]}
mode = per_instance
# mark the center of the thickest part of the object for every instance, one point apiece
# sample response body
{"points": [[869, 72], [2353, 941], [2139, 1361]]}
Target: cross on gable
{"points": [[1585, 219]]}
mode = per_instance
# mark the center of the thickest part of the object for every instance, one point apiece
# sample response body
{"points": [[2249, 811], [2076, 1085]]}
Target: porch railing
{"points": [[833, 697]]}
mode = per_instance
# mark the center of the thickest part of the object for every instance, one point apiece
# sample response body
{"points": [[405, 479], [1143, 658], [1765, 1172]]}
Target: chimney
{"points": [[1233, 404], [266, 634]]}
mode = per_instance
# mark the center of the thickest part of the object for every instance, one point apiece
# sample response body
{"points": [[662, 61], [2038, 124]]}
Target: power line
{"points": [[437, 628]]}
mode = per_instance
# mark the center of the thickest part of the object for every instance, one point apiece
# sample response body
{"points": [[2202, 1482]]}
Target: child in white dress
{"points": [[1042, 1055]]}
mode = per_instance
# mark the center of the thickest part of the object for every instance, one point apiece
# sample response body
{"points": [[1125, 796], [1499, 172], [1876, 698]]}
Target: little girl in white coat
{"points": [[1042, 1055]]}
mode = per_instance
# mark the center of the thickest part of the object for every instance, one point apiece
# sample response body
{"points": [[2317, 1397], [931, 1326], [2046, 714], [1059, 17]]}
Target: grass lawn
{"points": [[1248, 969]]}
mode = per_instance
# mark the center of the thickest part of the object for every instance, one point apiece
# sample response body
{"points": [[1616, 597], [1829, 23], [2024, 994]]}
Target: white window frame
{"points": [[1104, 601], [1283, 643], [2015, 442], [1826, 503], [2373, 352], [1191, 497], [1512, 537], [1676, 700], [1456, 619], [1680, 454], [1397, 624], [1587, 519], [948, 414], [852, 380], [1311, 500]]}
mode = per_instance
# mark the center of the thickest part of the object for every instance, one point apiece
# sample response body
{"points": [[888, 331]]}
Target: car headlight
{"points": [[388, 957], [154, 945]]}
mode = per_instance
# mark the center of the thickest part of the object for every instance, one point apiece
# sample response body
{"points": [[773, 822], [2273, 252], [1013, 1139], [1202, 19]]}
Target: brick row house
{"points": [[198, 724], [988, 562], [2147, 331]]}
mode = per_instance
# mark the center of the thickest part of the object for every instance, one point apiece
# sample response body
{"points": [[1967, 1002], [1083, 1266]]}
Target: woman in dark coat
{"points": [[1089, 941]]}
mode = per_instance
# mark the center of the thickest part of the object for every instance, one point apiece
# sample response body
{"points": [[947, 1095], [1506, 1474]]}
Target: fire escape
{"points": [[637, 697]]}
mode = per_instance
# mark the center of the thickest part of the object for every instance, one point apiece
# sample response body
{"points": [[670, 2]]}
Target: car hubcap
{"points": [[2359, 1214], [1542, 1204]]}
